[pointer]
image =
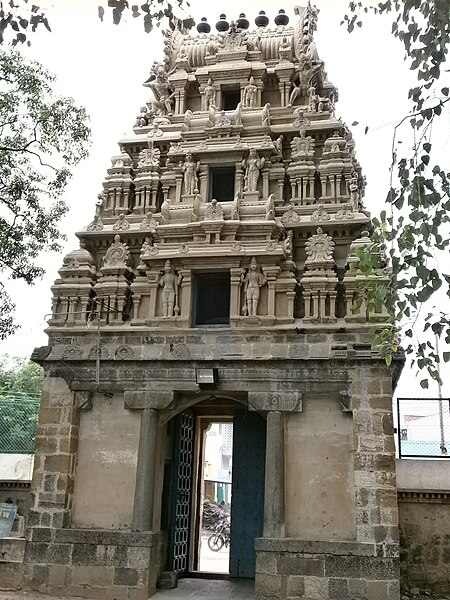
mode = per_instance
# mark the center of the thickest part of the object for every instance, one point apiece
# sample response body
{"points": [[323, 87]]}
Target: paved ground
{"points": [[200, 589], [204, 589]]}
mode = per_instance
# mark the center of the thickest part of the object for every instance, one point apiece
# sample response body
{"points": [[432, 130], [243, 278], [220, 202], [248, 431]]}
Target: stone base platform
{"points": [[291, 569], [91, 563]]}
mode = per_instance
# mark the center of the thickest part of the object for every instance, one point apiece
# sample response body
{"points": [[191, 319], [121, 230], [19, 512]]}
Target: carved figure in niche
{"points": [[303, 145], [252, 166], [141, 120], [170, 282], [312, 99], [214, 211], [158, 82], [296, 93], [196, 206], [233, 39], [319, 248], [235, 208], [116, 255], [287, 243], [278, 143], [99, 204], [190, 179], [209, 94], [223, 120], [354, 191], [149, 157], [270, 208], [249, 97], [284, 50], [238, 115], [188, 115], [212, 115], [322, 104], [265, 116], [165, 211], [253, 280]]}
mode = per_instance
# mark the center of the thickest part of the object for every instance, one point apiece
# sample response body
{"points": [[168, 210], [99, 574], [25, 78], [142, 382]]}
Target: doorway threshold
{"points": [[207, 589], [208, 575]]}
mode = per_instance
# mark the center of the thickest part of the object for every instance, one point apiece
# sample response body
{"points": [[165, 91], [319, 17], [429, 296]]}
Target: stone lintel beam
{"points": [[282, 401], [138, 400]]}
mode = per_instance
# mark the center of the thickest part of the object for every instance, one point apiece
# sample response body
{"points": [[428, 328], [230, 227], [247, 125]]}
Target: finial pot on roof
{"points": [[203, 26], [281, 18], [261, 20], [222, 24], [243, 22]]}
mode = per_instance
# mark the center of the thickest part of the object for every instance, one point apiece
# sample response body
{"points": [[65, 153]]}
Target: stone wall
{"points": [[295, 569], [425, 540], [91, 564], [106, 465]]}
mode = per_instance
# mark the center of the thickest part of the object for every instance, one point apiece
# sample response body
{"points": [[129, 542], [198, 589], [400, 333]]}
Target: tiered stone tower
{"points": [[220, 274]]}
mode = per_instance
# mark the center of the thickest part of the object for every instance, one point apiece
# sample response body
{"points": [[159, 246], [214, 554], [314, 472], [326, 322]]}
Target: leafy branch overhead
{"points": [[416, 225], [41, 138], [18, 18], [151, 12]]}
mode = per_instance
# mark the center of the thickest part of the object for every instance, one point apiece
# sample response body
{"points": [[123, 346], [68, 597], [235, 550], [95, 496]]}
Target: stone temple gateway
{"points": [[220, 278]]}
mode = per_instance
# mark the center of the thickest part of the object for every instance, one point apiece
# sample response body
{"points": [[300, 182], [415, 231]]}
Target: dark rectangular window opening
{"points": [[230, 98], [211, 299], [221, 183]]}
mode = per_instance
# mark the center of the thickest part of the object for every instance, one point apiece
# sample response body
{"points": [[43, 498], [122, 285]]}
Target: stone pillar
{"points": [[235, 300], [274, 484], [145, 472]]}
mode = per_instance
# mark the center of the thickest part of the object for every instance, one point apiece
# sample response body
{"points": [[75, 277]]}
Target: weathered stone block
{"points": [[266, 563], [377, 590], [301, 565], [316, 588], [268, 586], [295, 586], [338, 589], [126, 576], [92, 575]]}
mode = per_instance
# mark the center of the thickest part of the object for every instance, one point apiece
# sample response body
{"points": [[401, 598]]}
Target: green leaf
{"points": [[446, 356], [445, 91], [424, 384]]}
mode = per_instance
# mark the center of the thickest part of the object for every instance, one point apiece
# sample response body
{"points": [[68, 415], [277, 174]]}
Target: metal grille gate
{"points": [[182, 486]]}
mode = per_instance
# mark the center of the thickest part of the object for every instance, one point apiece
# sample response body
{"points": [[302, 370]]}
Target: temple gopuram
{"points": [[219, 281]]}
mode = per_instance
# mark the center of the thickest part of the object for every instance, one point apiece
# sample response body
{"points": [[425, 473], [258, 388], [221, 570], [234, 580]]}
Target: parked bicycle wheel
{"points": [[215, 542]]}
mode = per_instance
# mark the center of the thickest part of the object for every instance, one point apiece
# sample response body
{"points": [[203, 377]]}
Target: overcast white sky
{"points": [[103, 66]]}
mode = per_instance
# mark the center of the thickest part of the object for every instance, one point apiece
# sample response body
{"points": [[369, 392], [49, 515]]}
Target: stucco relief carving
{"points": [[252, 165], [117, 254], [319, 248], [250, 94], [170, 281], [214, 211], [253, 280], [189, 168]]}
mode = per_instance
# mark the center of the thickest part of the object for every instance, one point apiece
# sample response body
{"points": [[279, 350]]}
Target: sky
{"points": [[103, 67]]}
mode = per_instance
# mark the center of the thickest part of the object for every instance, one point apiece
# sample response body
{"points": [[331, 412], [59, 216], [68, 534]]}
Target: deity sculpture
{"points": [[312, 99], [170, 282], [303, 145], [354, 191], [253, 280], [209, 94], [149, 157], [190, 179], [287, 244], [252, 166], [270, 208], [249, 96], [296, 92], [117, 254], [158, 82]]}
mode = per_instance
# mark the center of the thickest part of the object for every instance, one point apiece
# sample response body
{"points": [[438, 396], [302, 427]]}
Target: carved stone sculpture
{"points": [[149, 157], [319, 248], [196, 203], [235, 208], [252, 166], [249, 95], [165, 212], [214, 211], [209, 95], [190, 179], [117, 254], [270, 208], [158, 82], [170, 282], [354, 191], [287, 244], [253, 280], [265, 115]]}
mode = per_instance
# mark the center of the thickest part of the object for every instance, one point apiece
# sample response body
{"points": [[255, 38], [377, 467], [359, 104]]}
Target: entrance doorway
{"points": [[216, 489]]}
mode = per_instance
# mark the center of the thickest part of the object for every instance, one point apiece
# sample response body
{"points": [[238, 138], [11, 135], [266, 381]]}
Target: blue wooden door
{"points": [[247, 501]]}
